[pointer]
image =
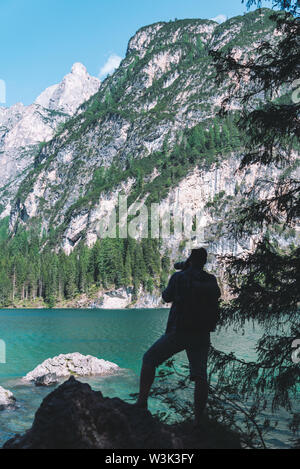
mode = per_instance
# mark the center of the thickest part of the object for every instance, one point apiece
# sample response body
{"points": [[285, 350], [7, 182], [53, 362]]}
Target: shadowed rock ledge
{"points": [[76, 417]]}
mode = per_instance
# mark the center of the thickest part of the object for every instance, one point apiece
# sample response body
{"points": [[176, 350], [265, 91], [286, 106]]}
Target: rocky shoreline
{"points": [[109, 299]]}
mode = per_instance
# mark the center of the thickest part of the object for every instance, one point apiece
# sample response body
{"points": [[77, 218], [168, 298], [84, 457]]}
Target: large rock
{"points": [[7, 400], [62, 366], [76, 417]]}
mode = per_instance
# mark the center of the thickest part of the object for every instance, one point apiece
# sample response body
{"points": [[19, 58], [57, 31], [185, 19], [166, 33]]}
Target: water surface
{"points": [[119, 336]]}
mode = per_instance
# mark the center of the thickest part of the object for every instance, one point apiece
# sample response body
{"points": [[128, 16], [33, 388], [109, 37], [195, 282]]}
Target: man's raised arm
{"points": [[170, 293]]}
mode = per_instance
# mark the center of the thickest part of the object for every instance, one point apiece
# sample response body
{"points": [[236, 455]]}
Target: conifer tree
{"points": [[265, 283]]}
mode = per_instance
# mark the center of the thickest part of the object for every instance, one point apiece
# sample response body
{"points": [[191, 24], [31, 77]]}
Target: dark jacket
{"points": [[178, 292]]}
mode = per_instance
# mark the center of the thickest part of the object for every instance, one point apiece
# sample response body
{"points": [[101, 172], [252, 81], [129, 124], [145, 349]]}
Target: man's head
{"points": [[198, 257]]}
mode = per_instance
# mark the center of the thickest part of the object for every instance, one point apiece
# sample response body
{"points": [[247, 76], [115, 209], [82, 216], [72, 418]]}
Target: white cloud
{"points": [[110, 65], [220, 18]]}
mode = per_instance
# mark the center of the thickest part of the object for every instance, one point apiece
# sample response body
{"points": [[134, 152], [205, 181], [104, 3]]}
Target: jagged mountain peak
{"points": [[79, 69], [64, 97]]}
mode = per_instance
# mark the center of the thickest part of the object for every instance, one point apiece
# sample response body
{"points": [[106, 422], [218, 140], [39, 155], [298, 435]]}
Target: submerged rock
{"points": [[7, 399], [62, 366], [76, 417]]}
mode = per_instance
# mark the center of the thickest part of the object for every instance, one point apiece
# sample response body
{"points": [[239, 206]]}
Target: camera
{"points": [[182, 265]]}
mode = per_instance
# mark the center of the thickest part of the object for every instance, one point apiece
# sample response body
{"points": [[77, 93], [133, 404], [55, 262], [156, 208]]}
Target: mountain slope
{"points": [[75, 88], [163, 88]]}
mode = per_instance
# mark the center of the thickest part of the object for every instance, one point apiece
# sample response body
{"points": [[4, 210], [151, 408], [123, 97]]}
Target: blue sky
{"points": [[41, 39]]}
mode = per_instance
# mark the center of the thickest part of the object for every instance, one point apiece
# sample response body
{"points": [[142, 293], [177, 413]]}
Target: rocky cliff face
{"points": [[75, 417], [23, 128]]}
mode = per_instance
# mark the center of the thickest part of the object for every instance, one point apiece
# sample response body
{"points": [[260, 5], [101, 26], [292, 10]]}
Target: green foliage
{"points": [[28, 272], [4, 224]]}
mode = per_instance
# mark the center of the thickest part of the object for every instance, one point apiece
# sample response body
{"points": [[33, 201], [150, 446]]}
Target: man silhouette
{"points": [[194, 295]]}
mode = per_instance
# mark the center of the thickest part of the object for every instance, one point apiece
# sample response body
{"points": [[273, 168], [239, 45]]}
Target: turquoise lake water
{"points": [[119, 336]]}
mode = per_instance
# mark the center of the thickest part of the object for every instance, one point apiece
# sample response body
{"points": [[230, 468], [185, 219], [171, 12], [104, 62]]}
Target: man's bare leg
{"points": [[200, 398], [146, 381]]}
